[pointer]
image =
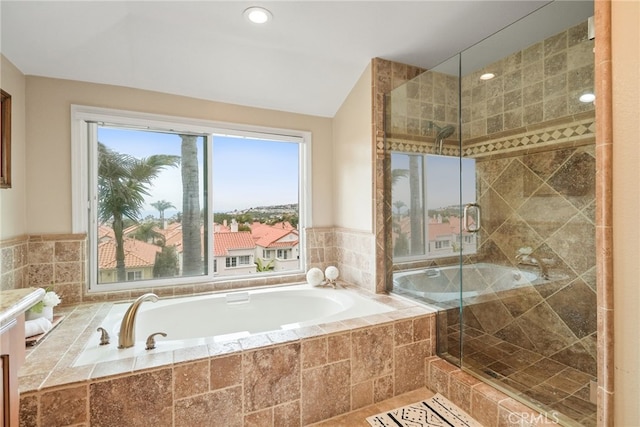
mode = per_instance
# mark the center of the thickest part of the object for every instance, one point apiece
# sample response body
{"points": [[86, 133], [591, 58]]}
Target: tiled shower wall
{"points": [[545, 201], [534, 145], [537, 84], [535, 175]]}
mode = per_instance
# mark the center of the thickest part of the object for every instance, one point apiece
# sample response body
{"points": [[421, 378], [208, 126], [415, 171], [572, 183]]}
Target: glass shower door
{"points": [[502, 126], [528, 300]]}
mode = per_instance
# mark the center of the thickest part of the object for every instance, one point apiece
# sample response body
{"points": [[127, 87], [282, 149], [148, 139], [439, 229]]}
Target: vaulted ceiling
{"points": [[305, 60]]}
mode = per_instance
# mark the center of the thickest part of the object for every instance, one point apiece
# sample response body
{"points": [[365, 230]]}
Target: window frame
{"points": [[439, 252], [84, 120]]}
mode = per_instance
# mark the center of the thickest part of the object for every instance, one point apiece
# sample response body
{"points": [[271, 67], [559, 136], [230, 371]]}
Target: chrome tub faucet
{"points": [[127, 336], [524, 257]]}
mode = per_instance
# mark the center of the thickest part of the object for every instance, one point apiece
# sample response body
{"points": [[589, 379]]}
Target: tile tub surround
{"points": [[295, 377]]}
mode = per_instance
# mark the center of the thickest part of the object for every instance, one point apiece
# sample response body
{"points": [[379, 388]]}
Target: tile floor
{"points": [[555, 386], [358, 418]]}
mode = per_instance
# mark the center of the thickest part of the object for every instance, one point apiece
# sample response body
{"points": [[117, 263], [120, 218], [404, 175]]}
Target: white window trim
{"points": [[80, 167]]}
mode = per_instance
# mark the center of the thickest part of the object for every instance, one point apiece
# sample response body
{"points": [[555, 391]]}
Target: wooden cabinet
{"points": [[13, 356]]}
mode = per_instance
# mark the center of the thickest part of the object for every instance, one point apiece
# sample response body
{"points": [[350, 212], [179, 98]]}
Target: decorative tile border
{"points": [[558, 134], [566, 132]]}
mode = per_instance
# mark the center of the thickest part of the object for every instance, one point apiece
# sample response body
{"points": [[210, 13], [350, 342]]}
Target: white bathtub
{"points": [[191, 321], [442, 284]]}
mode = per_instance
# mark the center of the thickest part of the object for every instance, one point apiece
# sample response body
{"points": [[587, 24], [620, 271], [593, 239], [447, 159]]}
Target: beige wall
{"points": [[49, 141], [352, 170], [13, 200], [625, 38]]}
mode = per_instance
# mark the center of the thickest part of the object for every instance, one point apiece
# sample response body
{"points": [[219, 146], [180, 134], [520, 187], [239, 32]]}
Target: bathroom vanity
{"points": [[13, 304]]}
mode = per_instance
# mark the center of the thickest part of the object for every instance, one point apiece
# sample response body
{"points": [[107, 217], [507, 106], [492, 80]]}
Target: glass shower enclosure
{"points": [[493, 208]]}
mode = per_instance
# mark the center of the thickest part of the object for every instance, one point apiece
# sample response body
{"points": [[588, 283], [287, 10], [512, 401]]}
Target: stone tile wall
{"points": [[13, 263], [355, 257], [539, 83], [352, 251], [57, 261]]}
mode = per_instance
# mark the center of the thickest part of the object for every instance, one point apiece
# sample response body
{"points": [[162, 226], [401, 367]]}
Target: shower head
{"points": [[444, 132]]}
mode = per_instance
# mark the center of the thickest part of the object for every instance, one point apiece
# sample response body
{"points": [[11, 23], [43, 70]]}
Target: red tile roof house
{"points": [[139, 258], [233, 253], [444, 237], [277, 243]]}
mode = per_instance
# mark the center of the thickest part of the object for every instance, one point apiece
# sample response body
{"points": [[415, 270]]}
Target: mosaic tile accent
{"points": [[552, 136], [569, 131]]}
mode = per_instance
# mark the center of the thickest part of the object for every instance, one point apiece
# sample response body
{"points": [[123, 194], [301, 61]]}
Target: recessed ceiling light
{"points": [[257, 15], [487, 76], [587, 97]]}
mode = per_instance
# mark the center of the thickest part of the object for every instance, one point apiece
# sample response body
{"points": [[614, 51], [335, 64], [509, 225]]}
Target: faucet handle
{"points": [[527, 250], [151, 341], [104, 336]]}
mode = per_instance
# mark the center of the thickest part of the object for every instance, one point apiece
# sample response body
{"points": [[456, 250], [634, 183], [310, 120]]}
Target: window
{"points": [[134, 275], [284, 253], [239, 260], [440, 244], [426, 205], [170, 197], [268, 254]]}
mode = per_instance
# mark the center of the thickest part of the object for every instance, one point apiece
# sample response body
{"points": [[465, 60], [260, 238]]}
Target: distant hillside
{"points": [[268, 214]]}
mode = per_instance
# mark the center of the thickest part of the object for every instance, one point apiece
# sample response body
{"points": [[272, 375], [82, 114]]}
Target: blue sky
{"points": [[246, 172]]}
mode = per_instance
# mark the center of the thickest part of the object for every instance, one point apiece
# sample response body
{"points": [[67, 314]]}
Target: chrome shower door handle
{"points": [[465, 218]]}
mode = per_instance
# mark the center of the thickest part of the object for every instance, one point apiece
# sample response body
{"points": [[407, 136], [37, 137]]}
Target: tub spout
{"points": [[527, 259], [127, 336]]}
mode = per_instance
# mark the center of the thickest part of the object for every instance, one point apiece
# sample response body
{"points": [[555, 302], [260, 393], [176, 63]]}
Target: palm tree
{"points": [[261, 266], [146, 232], [396, 174], [161, 206], [123, 182], [191, 242], [415, 208]]}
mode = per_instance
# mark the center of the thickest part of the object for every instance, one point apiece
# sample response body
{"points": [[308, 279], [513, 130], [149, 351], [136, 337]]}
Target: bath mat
{"points": [[434, 412]]}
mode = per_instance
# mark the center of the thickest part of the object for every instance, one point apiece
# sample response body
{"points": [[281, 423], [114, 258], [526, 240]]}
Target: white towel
{"points": [[36, 326]]}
